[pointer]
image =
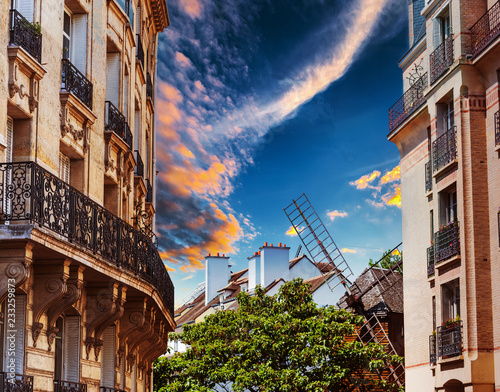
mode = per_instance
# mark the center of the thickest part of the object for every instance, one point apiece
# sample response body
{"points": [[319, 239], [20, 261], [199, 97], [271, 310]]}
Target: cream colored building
{"points": [[447, 129], [86, 301]]}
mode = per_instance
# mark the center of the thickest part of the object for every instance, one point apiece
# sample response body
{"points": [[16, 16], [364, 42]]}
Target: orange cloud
{"points": [[291, 232], [184, 151], [393, 198], [391, 176], [191, 7], [334, 214], [169, 269], [182, 60], [364, 181], [347, 250]]}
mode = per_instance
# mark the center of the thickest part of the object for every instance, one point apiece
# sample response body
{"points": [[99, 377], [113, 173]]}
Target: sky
{"points": [[259, 101]]}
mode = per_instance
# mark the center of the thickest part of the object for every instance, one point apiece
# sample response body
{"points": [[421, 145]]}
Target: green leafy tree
{"points": [[274, 343], [389, 259]]}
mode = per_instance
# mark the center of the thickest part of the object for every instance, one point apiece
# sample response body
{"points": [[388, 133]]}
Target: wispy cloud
{"points": [[392, 192], [291, 232], [336, 214], [347, 250], [208, 129], [365, 181]]}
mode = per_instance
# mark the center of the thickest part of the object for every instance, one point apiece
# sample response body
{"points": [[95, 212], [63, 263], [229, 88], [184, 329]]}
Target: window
{"points": [[75, 39], [64, 168], [450, 293], [19, 328], [449, 208], [442, 27], [108, 358], [137, 129], [431, 218], [112, 78], [25, 8], [434, 313]]}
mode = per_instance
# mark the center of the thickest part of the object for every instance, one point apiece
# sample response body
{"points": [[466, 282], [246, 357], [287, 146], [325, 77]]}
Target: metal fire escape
{"points": [[334, 268]]}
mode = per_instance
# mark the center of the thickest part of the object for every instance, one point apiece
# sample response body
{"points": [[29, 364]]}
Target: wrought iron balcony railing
{"points": [[149, 192], [449, 340], [26, 35], [432, 349], [447, 242], [497, 128], [139, 165], [29, 193], [116, 122], [430, 261], [106, 389], [441, 59], [485, 30], [411, 100], [139, 52], [66, 386], [73, 81], [428, 176], [18, 383], [149, 87], [444, 149]]}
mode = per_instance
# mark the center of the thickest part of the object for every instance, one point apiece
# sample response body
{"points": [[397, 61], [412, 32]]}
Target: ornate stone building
{"points": [[86, 301], [447, 129]]}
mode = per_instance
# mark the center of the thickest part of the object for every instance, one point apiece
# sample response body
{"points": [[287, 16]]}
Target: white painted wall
{"points": [[304, 269], [253, 272], [217, 275], [274, 264]]}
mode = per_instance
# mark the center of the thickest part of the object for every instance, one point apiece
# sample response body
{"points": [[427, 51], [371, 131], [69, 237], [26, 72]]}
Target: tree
{"points": [[389, 259], [279, 343]]}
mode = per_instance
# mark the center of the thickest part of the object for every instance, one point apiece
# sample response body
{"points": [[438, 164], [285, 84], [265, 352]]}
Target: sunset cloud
{"points": [[192, 7], [336, 214], [291, 232], [391, 195], [365, 181], [347, 250], [392, 175]]}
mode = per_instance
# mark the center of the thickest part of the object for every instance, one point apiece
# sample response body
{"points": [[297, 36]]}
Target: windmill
{"points": [[336, 271]]}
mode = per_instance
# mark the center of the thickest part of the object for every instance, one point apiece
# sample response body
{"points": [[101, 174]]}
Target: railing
{"points": [[67, 386], [18, 383], [432, 349], [25, 34], [139, 165], [149, 192], [139, 53], [149, 87], [449, 340], [116, 123], [497, 128], [411, 100], [447, 242], [485, 30], [73, 81], [106, 389], [441, 59], [444, 149], [430, 261], [30, 193], [428, 176]]}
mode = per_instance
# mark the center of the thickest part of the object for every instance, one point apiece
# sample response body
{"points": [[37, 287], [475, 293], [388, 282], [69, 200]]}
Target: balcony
{"points": [[485, 30], [447, 242], [115, 122], [149, 87], [449, 340], [139, 52], [26, 35], [30, 194], [441, 59], [106, 389], [73, 81], [497, 128], [428, 176], [432, 350], [444, 149], [430, 261], [139, 166], [149, 192], [66, 386], [411, 100], [18, 383]]}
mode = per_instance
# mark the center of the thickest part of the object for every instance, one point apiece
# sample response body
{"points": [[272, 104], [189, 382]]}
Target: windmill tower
{"points": [[328, 257]]}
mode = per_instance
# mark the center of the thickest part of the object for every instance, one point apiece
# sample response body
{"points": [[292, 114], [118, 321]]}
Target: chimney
{"points": [[217, 275], [274, 264], [253, 271]]}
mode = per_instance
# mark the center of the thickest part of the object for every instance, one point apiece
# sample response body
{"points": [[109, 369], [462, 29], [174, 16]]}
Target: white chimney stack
{"points": [[217, 275], [274, 263], [253, 271]]}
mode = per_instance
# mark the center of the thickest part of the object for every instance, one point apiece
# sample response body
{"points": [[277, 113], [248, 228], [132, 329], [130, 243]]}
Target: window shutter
{"points": [[112, 77], [79, 42], [108, 358], [64, 167], [138, 20], [8, 148], [26, 8], [19, 328], [436, 32], [71, 349], [134, 378], [7, 178], [137, 128], [125, 96]]}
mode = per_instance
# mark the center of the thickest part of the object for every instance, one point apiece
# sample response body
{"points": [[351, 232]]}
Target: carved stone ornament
{"points": [[35, 331], [109, 164], [33, 104], [121, 354], [89, 342], [51, 335], [97, 348], [130, 361], [13, 89]]}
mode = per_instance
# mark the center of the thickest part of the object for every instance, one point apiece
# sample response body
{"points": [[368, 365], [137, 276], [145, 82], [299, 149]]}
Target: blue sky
{"points": [[262, 100]]}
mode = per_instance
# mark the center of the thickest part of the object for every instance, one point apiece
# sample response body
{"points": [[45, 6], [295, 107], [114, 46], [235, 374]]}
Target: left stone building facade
{"points": [[86, 301]]}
